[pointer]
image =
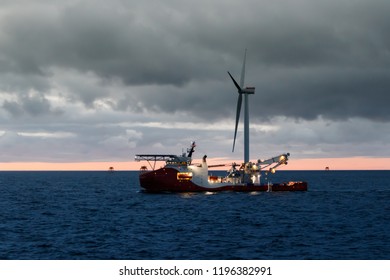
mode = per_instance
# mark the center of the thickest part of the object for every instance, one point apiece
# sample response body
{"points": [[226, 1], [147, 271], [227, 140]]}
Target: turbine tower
{"points": [[243, 91]]}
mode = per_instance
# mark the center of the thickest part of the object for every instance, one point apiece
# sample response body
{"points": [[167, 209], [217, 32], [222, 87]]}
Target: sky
{"points": [[90, 84]]}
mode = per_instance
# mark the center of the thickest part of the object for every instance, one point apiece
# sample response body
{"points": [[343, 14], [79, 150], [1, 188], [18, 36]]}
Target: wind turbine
{"points": [[243, 91]]}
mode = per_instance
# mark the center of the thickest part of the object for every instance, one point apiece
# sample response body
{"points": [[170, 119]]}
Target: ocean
{"points": [[105, 216]]}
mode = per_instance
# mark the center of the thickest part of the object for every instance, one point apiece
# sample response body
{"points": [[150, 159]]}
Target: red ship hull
{"points": [[167, 180]]}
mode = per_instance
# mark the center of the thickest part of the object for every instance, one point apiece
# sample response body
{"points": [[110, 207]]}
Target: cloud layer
{"points": [[98, 80]]}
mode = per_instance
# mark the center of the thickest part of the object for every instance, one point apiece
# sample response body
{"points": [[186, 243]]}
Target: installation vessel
{"points": [[180, 174]]}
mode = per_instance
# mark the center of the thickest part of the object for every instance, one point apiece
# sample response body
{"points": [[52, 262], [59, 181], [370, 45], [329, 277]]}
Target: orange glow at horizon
{"points": [[355, 163]]}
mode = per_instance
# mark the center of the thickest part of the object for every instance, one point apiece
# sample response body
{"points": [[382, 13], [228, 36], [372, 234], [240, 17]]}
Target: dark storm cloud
{"points": [[333, 93], [107, 39], [328, 58]]}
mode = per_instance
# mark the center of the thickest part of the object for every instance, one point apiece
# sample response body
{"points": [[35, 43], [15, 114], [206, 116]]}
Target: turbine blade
{"points": [[235, 83], [239, 101], [242, 80]]}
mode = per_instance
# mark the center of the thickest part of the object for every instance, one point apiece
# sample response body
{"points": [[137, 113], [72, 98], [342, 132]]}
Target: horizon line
{"points": [[313, 164]]}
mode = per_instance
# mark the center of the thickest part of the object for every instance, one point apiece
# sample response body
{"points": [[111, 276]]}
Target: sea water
{"points": [[105, 215]]}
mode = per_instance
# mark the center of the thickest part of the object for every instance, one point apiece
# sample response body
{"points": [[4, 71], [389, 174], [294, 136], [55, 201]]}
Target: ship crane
{"points": [[277, 161]]}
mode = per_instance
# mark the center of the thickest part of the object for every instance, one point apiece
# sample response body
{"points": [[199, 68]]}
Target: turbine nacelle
{"points": [[248, 90]]}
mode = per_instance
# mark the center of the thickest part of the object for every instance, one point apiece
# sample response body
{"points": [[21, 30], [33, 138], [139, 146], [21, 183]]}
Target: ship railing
{"points": [[152, 159]]}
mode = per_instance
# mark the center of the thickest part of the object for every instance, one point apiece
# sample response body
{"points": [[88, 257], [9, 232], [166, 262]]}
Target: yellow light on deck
{"points": [[184, 176]]}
